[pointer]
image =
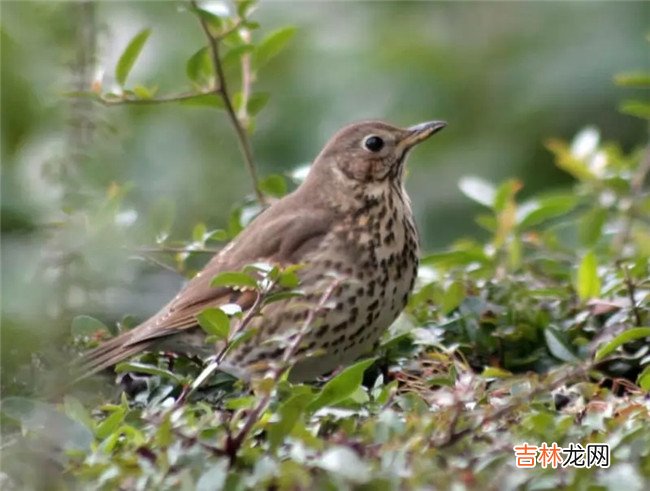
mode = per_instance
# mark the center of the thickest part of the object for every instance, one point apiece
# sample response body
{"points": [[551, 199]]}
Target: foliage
{"points": [[536, 334]]}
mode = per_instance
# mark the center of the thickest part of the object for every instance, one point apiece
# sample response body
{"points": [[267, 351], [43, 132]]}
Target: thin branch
{"points": [[247, 81], [221, 89], [631, 292], [185, 96], [175, 250]]}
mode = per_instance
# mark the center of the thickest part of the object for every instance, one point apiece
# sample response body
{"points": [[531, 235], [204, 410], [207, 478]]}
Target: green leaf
{"points": [[76, 410], [234, 279], [214, 321], [208, 100], [478, 190], [199, 67], [145, 93], [199, 232], [565, 160], [625, 337], [638, 79], [290, 413], [643, 380], [535, 212], [213, 21], [276, 297], [149, 370], [244, 7], [591, 225], [640, 109], [130, 55], [274, 185], [558, 347], [84, 325], [505, 194], [233, 55], [53, 427], [453, 297], [495, 372], [257, 102], [342, 386], [110, 424], [272, 44], [588, 283]]}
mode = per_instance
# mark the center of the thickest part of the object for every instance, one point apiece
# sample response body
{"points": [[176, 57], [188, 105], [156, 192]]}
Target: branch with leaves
{"points": [[229, 42]]}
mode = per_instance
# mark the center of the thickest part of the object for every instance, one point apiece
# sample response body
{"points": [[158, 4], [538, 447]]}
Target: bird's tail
{"points": [[108, 354]]}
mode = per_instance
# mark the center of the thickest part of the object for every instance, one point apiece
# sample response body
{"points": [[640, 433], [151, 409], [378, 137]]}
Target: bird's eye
{"points": [[373, 143]]}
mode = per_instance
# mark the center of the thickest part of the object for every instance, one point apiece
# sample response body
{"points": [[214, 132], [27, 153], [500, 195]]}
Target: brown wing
{"points": [[281, 235]]}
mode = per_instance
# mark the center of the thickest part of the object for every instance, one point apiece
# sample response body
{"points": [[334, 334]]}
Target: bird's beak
{"points": [[420, 132]]}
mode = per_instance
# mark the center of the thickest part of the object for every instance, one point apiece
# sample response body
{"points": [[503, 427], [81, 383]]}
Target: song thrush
{"points": [[351, 217]]}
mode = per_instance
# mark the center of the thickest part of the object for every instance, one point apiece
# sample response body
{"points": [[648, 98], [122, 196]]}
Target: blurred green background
{"points": [[505, 76]]}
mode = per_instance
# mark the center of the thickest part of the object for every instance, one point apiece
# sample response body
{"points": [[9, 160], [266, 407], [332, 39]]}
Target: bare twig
{"points": [[221, 88]]}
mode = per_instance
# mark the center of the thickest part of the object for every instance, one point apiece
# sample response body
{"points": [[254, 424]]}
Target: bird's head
{"points": [[371, 151]]}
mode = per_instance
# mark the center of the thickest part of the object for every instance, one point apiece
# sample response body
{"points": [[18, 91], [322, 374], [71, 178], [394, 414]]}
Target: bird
{"points": [[351, 218]]}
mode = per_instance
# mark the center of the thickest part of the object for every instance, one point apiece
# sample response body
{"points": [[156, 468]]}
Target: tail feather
{"points": [[108, 354]]}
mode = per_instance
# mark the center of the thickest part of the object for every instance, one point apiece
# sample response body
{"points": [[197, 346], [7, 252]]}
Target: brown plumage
{"points": [[351, 217]]}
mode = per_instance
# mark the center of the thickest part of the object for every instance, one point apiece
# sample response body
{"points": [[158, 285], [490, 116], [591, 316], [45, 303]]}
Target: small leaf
{"points": [[76, 410], [214, 477], [638, 79], [244, 7], [272, 44], [233, 56], [53, 427], [199, 232], [257, 102], [505, 194], [214, 321], [538, 211], [199, 66], [149, 370], [495, 372], [588, 283], [478, 190], [110, 424], [145, 93], [640, 109], [290, 413], [213, 21], [276, 297], [558, 347], [643, 380], [84, 325], [452, 297], [566, 161], [234, 279], [208, 100], [130, 55], [341, 386], [591, 225], [274, 185], [624, 337]]}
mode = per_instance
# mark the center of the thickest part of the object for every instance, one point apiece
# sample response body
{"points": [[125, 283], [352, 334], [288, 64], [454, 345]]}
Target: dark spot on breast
{"points": [[339, 327]]}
